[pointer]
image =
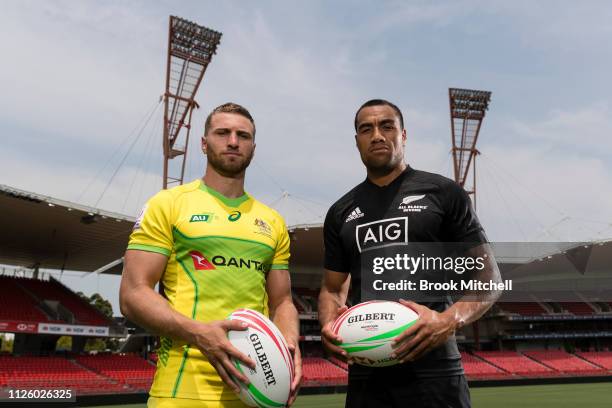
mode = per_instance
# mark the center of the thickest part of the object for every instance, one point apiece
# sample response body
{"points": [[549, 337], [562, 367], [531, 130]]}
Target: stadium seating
{"points": [[577, 308], [339, 363], [305, 299], [54, 372], [54, 290], [318, 371], [153, 357], [17, 304], [128, 369], [563, 362], [516, 363], [476, 368], [523, 309], [601, 358]]}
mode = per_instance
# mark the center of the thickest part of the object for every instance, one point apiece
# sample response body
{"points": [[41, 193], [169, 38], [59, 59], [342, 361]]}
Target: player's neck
{"points": [[384, 179], [230, 187]]}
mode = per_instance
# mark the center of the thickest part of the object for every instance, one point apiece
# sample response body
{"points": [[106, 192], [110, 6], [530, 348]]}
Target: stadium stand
{"points": [[306, 299], [576, 308], [339, 363], [600, 358], [318, 371], [127, 369], [54, 372], [476, 368], [54, 290], [17, 304], [563, 362], [524, 309], [515, 363]]}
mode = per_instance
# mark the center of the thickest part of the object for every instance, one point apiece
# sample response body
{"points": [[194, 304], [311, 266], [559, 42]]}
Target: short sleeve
{"points": [[335, 257], [281, 252], [461, 223], [153, 229]]}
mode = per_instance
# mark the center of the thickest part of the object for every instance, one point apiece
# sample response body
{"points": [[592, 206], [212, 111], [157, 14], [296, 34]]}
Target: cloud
{"points": [[525, 193], [585, 128]]}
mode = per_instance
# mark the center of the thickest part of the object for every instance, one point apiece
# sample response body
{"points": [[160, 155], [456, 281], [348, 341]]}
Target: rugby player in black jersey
{"points": [[436, 210]]}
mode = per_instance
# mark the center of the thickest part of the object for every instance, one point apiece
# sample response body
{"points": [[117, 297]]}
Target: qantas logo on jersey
{"points": [[382, 233], [200, 262], [356, 213], [406, 205]]}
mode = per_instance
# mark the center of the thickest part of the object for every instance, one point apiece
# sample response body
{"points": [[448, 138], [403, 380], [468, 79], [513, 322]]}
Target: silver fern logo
{"points": [[407, 206]]}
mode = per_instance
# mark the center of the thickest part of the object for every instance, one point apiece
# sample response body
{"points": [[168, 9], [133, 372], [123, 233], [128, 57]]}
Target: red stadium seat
{"points": [[319, 372], [516, 363], [477, 368], [601, 358], [564, 362], [523, 309]]}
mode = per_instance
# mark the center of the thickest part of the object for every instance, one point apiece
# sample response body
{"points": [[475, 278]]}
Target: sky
{"points": [[79, 79]]}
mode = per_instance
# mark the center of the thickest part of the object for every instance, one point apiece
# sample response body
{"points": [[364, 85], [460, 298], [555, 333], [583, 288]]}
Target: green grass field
{"points": [[597, 395]]}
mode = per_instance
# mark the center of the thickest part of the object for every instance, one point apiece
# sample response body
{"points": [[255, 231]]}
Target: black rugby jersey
{"points": [[429, 208]]}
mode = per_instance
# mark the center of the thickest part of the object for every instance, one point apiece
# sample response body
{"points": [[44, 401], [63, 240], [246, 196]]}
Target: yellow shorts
{"points": [[157, 402]]}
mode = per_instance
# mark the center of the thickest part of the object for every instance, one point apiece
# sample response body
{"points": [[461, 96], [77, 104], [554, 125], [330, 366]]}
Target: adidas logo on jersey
{"points": [[356, 213]]}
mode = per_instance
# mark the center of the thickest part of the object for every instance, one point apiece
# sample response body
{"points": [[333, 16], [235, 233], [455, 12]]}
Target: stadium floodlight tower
{"points": [[467, 111], [190, 50]]}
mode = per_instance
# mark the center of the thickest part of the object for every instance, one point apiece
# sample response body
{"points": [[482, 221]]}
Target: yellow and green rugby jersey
{"points": [[219, 252]]}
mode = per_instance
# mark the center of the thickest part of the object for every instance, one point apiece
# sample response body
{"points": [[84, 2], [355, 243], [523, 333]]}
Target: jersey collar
{"points": [[400, 177], [230, 202]]}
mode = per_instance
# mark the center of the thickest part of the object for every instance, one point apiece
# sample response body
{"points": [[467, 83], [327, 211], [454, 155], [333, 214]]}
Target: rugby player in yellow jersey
{"points": [[214, 249]]}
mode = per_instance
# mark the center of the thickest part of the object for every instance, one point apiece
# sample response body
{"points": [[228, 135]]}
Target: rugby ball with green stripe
{"points": [[368, 329], [270, 382]]}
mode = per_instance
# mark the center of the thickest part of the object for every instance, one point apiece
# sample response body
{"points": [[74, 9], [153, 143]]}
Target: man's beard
{"points": [[380, 167], [228, 168]]}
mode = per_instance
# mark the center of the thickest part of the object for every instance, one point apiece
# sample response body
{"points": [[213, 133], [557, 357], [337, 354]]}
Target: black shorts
{"points": [[436, 392]]}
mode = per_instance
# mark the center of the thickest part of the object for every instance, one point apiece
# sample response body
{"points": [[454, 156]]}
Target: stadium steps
{"points": [[578, 355], [339, 363], [39, 304], [516, 363], [302, 306], [479, 359], [602, 359], [539, 362], [563, 362], [577, 308], [131, 370], [106, 377], [13, 294], [86, 305], [492, 363], [545, 306]]}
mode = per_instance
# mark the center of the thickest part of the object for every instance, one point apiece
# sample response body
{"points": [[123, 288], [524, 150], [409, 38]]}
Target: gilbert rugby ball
{"points": [[368, 329], [270, 382]]}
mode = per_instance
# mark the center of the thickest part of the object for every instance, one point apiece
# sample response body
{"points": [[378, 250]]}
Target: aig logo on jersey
{"points": [[407, 206], [382, 233]]}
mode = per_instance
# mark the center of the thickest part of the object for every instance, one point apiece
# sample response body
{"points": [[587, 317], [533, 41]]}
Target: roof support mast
{"points": [[190, 50], [467, 111]]}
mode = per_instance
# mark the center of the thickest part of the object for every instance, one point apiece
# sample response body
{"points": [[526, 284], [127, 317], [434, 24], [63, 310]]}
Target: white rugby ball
{"points": [[368, 329], [270, 381]]}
